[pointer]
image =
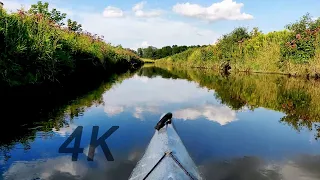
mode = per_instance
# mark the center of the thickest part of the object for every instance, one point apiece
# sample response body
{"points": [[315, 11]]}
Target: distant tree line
{"points": [[155, 53]]}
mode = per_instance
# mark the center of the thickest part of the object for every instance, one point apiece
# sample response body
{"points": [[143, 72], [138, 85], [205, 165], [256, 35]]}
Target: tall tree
{"points": [[43, 8], [140, 52]]}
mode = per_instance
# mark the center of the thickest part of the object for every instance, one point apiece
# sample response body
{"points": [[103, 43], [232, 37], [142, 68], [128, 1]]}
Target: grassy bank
{"points": [[295, 50], [37, 47], [297, 98], [145, 60]]}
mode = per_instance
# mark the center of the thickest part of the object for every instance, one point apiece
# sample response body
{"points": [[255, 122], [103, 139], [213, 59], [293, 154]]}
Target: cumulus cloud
{"points": [[113, 110], [63, 168], [138, 111], [147, 96], [139, 12], [225, 10], [217, 113], [144, 44], [298, 167], [158, 32], [112, 12], [45, 169], [139, 6]]}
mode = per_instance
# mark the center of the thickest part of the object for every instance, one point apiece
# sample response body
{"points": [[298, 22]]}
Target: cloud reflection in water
{"points": [[148, 96], [246, 168]]}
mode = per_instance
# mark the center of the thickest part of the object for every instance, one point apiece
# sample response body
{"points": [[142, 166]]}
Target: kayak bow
{"points": [[166, 157]]}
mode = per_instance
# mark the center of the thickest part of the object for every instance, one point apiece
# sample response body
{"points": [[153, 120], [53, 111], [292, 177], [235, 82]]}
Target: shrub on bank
{"points": [[36, 47], [294, 50]]}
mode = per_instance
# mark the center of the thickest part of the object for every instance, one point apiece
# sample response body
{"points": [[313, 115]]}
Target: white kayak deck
{"points": [[166, 140]]}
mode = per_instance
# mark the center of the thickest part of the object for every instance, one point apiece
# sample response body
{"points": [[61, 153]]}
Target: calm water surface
{"points": [[233, 127]]}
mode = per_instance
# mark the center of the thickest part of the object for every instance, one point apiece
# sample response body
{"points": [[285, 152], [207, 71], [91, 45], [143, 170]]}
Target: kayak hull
{"points": [[157, 162]]}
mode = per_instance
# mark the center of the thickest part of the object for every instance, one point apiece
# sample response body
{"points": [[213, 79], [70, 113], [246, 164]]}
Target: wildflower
{"points": [[308, 31], [21, 13], [298, 36]]}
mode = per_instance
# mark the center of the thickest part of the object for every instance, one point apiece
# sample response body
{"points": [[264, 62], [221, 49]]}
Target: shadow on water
{"points": [[29, 110]]}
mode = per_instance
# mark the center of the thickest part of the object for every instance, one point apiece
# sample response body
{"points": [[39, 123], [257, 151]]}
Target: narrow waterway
{"points": [[236, 127]]}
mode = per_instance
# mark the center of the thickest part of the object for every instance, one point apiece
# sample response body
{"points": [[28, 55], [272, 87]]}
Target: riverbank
{"points": [[148, 61], [38, 48], [294, 51]]}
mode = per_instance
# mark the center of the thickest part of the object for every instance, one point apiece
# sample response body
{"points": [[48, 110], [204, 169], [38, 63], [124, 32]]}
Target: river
{"points": [[235, 127]]}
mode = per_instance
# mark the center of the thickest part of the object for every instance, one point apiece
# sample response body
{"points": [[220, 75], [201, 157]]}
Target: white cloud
{"points": [[65, 131], [153, 13], [113, 110], [139, 6], [145, 44], [217, 113], [112, 12], [158, 32], [143, 79], [45, 169], [225, 10], [138, 111], [141, 96], [139, 12]]}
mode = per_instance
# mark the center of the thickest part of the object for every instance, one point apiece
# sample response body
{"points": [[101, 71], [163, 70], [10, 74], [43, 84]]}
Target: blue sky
{"points": [[135, 23]]}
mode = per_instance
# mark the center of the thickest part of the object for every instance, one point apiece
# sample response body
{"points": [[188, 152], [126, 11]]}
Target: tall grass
{"points": [[34, 50], [295, 50]]}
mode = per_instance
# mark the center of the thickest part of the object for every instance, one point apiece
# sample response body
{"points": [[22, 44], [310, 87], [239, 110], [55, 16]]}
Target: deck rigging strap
{"points": [[175, 160]]}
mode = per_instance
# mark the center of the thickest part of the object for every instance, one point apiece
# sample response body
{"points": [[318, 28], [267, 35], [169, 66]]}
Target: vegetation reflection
{"points": [[297, 98], [42, 121]]}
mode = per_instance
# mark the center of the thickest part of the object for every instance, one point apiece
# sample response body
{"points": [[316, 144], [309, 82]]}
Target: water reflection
{"points": [[246, 168], [141, 95], [297, 98], [220, 114], [234, 127]]}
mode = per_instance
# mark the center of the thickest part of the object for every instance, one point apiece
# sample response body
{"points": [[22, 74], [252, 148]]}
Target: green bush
{"points": [[300, 47], [278, 51]]}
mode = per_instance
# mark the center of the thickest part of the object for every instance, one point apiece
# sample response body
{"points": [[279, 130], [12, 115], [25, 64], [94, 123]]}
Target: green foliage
{"points": [[295, 49], [43, 9], [34, 50], [155, 53], [74, 26], [301, 45]]}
